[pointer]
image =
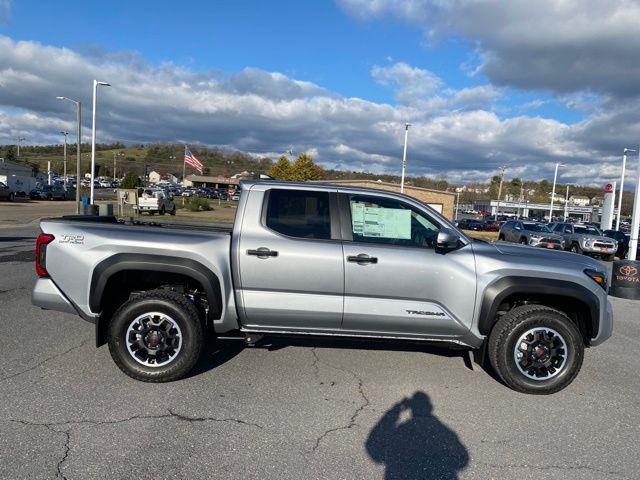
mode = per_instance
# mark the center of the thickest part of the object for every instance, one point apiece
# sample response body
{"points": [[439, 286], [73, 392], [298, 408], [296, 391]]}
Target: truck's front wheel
{"points": [[156, 336], [536, 349]]}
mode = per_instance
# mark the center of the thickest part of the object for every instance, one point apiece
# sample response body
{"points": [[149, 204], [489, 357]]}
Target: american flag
{"points": [[190, 159]]}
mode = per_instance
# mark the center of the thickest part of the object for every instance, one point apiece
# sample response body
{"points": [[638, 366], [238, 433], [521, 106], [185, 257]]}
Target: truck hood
{"points": [[546, 255]]}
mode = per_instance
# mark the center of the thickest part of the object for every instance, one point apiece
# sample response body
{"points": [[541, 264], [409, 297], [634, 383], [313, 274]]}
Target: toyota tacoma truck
{"points": [[322, 260]]}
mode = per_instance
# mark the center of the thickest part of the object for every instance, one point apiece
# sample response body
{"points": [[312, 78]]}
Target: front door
{"points": [[396, 282], [290, 257]]}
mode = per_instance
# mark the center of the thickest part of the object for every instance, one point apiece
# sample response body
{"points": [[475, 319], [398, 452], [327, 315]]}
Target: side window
{"points": [[558, 228], [568, 229], [386, 221], [299, 214]]}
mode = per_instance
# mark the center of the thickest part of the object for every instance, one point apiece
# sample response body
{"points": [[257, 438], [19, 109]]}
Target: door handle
{"points": [[262, 252], [362, 258]]}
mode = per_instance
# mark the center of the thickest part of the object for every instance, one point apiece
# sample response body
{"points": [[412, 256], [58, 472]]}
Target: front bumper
{"points": [[606, 325], [544, 244], [599, 250]]}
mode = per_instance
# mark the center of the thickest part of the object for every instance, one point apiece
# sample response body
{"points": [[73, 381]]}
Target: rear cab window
{"points": [[299, 213]]}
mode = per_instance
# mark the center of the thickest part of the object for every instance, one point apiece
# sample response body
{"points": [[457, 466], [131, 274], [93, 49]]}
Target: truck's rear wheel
{"points": [[156, 336], [536, 349]]}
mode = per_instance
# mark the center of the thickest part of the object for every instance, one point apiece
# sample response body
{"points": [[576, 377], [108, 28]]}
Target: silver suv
{"points": [[530, 233], [586, 239]]}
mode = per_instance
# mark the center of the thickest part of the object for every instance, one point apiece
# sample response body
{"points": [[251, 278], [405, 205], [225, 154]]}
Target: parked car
{"points": [[49, 192], [6, 193], [493, 226], [236, 197], [156, 201], [586, 239], [623, 240], [154, 291], [471, 224], [530, 233]]}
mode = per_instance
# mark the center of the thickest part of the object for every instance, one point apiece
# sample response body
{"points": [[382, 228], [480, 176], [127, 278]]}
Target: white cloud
{"points": [[5, 11], [557, 45], [260, 111]]}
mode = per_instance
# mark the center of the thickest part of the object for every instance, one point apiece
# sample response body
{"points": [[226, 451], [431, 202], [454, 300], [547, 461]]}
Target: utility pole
{"points": [[502, 170], [455, 217], [553, 191], [64, 163], [18, 140], [404, 155], [624, 166]]}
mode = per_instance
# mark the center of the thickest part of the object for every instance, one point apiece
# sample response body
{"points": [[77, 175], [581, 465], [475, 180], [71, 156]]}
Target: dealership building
{"points": [[587, 213]]}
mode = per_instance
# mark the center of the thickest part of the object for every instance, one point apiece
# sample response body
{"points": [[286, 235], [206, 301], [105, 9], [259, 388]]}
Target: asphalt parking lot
{"points": [[298, 409]]}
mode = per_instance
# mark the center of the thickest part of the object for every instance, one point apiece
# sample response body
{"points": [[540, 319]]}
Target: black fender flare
{"points": [[119, 262], [495, 294]]}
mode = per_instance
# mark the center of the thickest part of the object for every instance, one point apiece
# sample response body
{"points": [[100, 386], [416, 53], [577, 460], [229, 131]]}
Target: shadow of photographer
{"points": [[414, 444]]}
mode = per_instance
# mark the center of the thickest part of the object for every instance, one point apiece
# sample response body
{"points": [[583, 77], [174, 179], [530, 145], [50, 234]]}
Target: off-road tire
{"points": [[575, 248], [507, 331], [182, 311], [501, 237], [11, 197], [173, 212], [609, 258], [523, 241], [161, 212]]}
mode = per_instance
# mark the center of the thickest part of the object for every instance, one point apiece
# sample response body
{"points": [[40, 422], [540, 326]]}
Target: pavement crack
{"points": [[354, 416], [554, 467], [43, 361]]}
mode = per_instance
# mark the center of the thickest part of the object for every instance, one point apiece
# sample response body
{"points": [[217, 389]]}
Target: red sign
{"points": [[608, 188]]}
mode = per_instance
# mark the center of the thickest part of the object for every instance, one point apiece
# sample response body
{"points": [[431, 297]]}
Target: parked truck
{"points": [[323, 260], [19, 185]]}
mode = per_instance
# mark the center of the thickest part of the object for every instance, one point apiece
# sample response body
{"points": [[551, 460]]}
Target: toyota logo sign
{"points": [[629, 270], [608, 188]]}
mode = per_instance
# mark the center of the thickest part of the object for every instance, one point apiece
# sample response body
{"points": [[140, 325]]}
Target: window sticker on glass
{"points": [[380, 222]]}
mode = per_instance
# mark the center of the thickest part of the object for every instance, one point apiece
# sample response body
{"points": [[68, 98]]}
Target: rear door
{"points": [[290, 260], [395, 280]]}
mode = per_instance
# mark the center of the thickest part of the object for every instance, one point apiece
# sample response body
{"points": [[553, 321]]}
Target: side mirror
{"points": [[447, 239]]}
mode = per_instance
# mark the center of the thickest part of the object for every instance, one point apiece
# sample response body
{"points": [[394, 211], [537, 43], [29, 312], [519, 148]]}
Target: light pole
{"points": [[553, 191], [455, 217], [502, 170], [404, 155], [78, 142], [18, 140], [624, 166], [635, 219], [64, 163], [93, 135], [566, 205]]}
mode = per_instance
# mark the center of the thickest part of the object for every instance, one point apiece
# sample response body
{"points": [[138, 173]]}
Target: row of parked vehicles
{"points": [[578, 238]]}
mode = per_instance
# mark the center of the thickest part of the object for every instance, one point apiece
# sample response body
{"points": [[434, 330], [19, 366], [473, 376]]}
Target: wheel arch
{"points": [[578, 302], [109, 270]]}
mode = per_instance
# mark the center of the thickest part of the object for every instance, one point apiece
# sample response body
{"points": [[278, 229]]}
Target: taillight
{"points": [[41, 253]]}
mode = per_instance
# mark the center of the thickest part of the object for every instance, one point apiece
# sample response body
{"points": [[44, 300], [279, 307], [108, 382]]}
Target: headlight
{"points": [[536, 237], [587, 243], [599, 277]]}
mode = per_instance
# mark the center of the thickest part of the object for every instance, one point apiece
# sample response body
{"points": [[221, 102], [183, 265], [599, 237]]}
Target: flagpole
{"points": [[184, 166]]}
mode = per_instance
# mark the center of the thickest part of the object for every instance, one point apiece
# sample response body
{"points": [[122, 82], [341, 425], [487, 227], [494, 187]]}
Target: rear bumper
{"points": [[46, 295]]}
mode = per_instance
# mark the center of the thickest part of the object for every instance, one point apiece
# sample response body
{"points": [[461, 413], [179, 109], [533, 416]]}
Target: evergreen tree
{"points": [[304, 169], [281, 170]]}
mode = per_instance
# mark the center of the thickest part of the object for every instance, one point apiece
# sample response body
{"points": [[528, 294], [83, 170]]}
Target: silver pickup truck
{"points": [[315, 259]]}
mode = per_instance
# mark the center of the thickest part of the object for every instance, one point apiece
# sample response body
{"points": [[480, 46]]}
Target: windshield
{"points": [[536, 227], [586, 230]]}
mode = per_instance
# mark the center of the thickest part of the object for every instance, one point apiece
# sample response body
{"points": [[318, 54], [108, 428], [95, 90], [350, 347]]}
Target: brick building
{"points": [[441, 201]]}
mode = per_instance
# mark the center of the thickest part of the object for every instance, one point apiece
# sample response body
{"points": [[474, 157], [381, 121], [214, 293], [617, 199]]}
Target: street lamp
{"points": [[64, 163], [553, 191], [78, 142], [502, 170], [624, 166], [404, 155], [93, 134]]}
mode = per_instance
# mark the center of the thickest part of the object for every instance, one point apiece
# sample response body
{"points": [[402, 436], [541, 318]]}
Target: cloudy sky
{"points": [[484, 83]]}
